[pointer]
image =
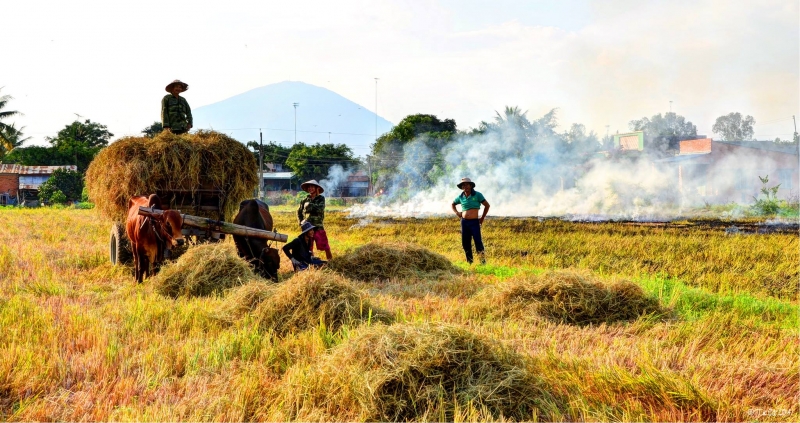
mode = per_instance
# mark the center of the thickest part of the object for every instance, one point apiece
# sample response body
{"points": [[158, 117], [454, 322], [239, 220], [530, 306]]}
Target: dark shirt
{"points": [[298, 249], [175, 113], [312, 211]]}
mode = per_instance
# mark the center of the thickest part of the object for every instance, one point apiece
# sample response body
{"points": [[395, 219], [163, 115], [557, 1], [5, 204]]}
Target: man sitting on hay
{"points": [[299, 249], [176, 115]]}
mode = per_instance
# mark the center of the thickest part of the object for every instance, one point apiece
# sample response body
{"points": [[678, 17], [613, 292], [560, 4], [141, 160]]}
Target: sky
{"points": [[600, 63]]}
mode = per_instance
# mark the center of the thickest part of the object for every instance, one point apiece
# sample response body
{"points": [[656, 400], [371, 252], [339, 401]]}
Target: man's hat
{"points": [[465, 181], [314, 182], [177, 81], [306, 226]]}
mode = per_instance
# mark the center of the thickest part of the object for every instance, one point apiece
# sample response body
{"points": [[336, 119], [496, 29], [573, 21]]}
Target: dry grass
{"points": [[381, 261], [81, 341], [244, 299], [203, 270], [316, 297], [417, 372], [568, 296], [141, 166]]}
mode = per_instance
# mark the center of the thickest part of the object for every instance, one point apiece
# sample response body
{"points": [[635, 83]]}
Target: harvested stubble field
{"points": [[79, 340]]}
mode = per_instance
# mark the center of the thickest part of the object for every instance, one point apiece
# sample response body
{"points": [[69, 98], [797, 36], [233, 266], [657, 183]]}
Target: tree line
{"points": [[421, 138]]}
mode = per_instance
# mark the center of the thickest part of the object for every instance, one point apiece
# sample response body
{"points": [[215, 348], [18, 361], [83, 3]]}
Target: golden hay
{"points": [[203, 270], [417, 372], [141, 166], [381, 261], [315, 297], [244, 299], [568, 297]]}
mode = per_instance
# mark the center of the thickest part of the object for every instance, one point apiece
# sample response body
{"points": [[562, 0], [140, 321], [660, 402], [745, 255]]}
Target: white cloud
{"points": [[109, 61]]}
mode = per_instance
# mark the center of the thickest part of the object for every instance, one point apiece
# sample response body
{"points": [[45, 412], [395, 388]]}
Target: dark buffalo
{"points": [[255, 214]]}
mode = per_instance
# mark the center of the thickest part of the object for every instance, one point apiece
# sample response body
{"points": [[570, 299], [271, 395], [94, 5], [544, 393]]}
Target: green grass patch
{"points": [[694, 303]]}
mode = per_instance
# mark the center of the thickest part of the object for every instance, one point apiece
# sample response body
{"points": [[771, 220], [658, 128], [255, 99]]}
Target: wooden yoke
{"points": [[218, 226]]}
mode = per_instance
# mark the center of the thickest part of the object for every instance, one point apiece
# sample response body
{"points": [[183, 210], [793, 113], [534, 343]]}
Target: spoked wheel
{"points": [[119, 249]]}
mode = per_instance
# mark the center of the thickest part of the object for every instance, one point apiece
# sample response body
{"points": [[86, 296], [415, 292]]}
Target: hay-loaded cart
{"points": [[201, 228]]}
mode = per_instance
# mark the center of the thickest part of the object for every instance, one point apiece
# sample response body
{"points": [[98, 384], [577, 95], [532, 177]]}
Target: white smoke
{"points": [[336, 179], [523, 175]]}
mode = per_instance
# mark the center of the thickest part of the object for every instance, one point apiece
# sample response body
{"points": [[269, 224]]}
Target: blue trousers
{"points": [[471, 229]]}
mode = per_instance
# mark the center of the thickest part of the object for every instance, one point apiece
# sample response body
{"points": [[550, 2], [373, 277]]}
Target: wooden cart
{"points": [[195, 228]]}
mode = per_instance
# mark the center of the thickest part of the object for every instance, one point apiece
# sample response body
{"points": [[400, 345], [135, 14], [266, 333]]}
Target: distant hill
{"points": [[270, 107]]}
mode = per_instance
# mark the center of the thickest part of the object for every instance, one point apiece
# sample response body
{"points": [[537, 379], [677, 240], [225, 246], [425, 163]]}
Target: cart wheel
{"points": [[119, 246]]}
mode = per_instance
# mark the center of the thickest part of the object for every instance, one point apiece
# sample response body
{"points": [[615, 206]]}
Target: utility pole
{"points": [[260, 164], [670, 106], [376, 109], [295, 121], [796, 139]]}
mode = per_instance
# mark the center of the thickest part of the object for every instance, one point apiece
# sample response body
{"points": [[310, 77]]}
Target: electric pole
{"points": [[376, 109], [260, 164], [670, 106], [295, 121]]}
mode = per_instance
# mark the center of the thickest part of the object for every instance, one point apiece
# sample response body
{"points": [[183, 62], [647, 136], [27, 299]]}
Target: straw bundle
{"points": [[417, 372], [244, 299], [381, 261], [569, 297], [142, 166], [315, 297], [203, 270]]}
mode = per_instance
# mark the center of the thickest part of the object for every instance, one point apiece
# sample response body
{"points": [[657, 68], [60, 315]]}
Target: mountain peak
{"points": [[322, 115]]}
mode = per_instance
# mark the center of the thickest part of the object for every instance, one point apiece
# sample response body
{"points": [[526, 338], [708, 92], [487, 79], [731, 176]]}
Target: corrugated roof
{"points": [[10, 168], [277, 175], [34, 170]]}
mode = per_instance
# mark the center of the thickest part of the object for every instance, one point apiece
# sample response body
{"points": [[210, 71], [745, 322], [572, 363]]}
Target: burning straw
{"points": [[568, 297], [204, 270], [315, 297], [418, 372], [381, 261], [141, 166]]}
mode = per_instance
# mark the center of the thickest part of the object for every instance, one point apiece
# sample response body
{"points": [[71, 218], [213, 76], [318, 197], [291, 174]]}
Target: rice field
{"points": [[716, 338]]}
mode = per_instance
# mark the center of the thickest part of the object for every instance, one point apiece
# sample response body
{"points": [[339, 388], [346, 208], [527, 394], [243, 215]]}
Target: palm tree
{"points": [[512, 115], [11, 137], [4, 99], [8, 131]]}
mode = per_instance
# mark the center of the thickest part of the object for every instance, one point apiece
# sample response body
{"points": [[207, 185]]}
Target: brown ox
{"points": [[151, 238]]}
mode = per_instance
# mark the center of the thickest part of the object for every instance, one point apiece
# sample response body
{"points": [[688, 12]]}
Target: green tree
{"points": [[578, 144], [314, 161], [78, 143], [273, 152], [88, 134], [68, 182], [664, 133], [35, 155], [732, 127], [153, 130], [11, 138], [390, 149], [8, 132]]}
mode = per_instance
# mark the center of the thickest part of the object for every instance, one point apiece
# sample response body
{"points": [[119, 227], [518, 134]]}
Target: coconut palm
{"points": [[5, 114], [7, 132], [11, 137]]}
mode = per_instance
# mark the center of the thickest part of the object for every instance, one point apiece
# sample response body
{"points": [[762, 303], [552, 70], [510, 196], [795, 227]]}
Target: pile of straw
{"points": [[315, 297], [568, 297], [244, 299], [417, 372], [142, 166], [203, 270], [381, 261]]}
